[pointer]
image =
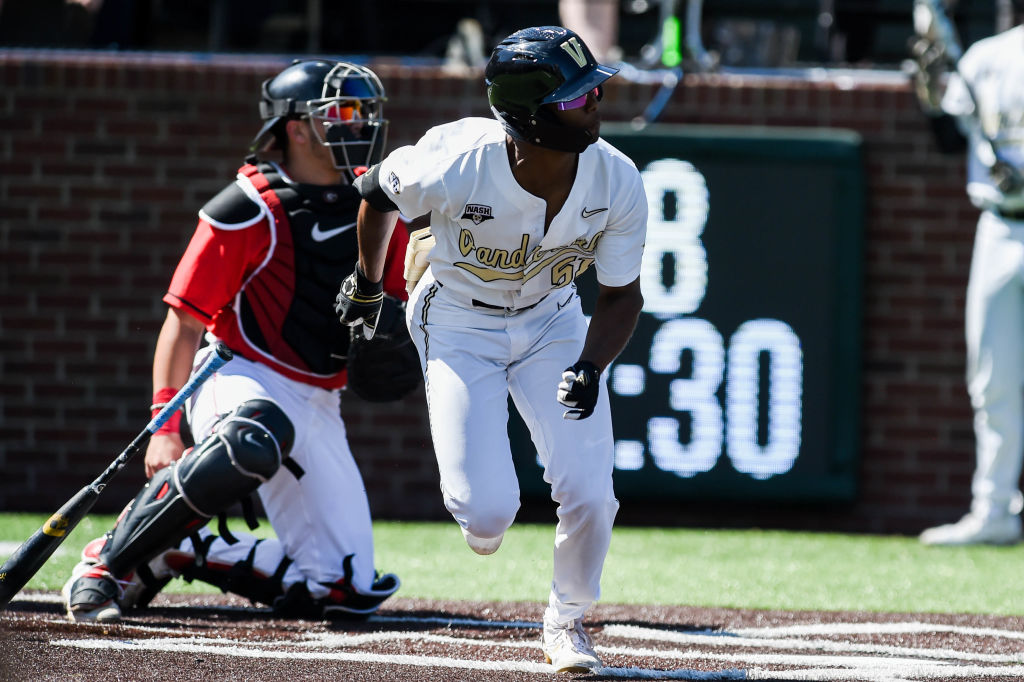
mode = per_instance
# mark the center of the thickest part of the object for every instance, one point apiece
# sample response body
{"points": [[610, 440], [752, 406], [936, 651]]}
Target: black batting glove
{"points": [[359, 301], [1006, 177], [579, 389]]}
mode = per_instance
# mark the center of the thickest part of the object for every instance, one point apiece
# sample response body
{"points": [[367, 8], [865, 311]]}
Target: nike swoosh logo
{"points": [[321, 235], [586, 214], [252, 438]]}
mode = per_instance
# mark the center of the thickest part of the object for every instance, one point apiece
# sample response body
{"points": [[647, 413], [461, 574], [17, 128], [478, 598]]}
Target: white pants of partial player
{"points": [[475, 358], [320, 518], [995, 363]]}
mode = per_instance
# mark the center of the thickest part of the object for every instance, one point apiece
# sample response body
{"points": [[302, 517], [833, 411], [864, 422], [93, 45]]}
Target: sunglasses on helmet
{"points": [[579, 101], [339, 111]]}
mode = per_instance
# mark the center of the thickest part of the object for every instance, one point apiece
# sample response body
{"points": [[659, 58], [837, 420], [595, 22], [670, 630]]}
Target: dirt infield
{"points": [[222, 638]]}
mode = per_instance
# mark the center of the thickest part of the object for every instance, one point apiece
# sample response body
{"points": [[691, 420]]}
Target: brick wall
{"points": [[105, 159]]}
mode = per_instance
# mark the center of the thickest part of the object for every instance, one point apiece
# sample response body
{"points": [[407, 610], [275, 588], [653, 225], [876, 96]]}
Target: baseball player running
{"points": [[984, 100], [520, 206], [260, 274]]}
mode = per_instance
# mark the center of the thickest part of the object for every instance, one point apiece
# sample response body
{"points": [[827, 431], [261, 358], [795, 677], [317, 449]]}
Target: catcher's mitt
{"points": [[386, 367]]}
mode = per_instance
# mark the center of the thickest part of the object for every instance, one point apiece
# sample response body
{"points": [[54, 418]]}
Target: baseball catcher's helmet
{"points": [[538, 66], [344, 98]]}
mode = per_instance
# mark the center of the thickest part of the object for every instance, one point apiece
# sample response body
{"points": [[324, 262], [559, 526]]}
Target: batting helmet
{"points": [[538, 66], [345, 99]]}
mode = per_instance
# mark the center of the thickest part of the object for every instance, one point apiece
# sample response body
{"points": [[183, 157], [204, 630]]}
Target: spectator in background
{"points": [[104, 24], [597, 24], [981, 111], [47, 23]]}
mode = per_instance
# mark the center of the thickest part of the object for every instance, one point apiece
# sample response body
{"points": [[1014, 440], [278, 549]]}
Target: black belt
{"points": [[481, 304], [1016, 214]]}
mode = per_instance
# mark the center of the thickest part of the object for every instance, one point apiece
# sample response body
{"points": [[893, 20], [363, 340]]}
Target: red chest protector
{"points": [[285, 309]]}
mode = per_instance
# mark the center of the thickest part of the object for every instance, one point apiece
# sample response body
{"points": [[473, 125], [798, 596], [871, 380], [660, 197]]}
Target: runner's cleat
{"points": [[976, 530], [568, 648]]}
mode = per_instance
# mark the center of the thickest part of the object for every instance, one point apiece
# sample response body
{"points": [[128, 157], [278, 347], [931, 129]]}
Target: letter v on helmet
{"points": [[575, 50]]}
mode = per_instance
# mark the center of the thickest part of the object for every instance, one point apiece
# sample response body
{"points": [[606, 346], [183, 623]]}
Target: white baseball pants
{"points": [[475, 358], [323, 516], [995, 363]]}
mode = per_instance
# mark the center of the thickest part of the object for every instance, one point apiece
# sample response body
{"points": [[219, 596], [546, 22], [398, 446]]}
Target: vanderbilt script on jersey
{"points": [[491, 242], [524, 263]]}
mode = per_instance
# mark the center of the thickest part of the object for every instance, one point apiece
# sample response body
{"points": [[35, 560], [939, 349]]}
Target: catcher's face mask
{"points": [[350, 121], [343, 103]]}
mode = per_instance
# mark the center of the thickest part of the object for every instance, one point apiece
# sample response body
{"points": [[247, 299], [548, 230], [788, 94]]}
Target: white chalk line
{"points": [[872, 629], [335, 640], [179, 646], [898, 664], [56, 598], [724, 639], [840, 668], [866, 668]]}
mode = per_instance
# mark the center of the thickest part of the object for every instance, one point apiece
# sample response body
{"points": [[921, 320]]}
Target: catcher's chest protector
{"points": [[313, 247]]}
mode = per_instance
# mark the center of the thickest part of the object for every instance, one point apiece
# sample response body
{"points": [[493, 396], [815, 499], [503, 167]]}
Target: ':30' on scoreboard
{"points": [[742, 378]]}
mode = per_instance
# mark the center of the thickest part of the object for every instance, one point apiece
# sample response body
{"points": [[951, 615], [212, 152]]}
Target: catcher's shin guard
{"points": [[259, 570], [248, 566], [244, 451]]}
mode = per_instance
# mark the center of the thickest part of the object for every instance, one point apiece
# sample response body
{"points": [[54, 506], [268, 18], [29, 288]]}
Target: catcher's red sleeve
{"points": [[394, 264]]}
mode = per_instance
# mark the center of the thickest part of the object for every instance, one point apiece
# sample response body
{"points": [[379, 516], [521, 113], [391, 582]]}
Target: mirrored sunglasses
{"points": [[578, 102]]}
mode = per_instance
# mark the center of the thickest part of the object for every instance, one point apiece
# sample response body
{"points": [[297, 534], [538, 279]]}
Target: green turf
{"points": [[744, 569]]}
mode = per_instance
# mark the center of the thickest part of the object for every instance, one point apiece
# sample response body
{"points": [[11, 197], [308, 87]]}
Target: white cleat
{"points": [[975, 530], [482, 546], [568, 648]]}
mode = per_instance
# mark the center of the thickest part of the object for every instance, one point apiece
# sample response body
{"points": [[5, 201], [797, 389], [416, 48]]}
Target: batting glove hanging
{"points": [[579, 389], [359, 301]]}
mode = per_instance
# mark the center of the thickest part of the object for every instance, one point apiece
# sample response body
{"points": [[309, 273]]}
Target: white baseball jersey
{"points": [[491, 243], [492, 248], [994, 67], [994, 312]]}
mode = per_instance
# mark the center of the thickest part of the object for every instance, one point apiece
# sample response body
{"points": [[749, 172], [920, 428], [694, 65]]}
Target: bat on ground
{"points": [[33, 553]]}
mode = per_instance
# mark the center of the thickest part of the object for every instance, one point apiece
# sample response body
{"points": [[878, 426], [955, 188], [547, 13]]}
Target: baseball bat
{"points": [[33, 553]]}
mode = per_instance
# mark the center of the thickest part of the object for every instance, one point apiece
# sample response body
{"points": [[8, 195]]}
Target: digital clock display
{"points": [[742, 377]]}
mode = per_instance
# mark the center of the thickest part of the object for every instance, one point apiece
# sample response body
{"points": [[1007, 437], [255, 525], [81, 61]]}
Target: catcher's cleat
{"points": [[342, 602], [568, 648], [92, 595], [974, 529], [483, 546]]}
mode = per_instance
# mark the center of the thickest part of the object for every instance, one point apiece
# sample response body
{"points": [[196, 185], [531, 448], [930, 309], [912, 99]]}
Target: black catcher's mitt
{"points": [[386, 367]]}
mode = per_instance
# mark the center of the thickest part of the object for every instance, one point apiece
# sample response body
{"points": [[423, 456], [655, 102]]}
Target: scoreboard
{"points": [[742, 379]]}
